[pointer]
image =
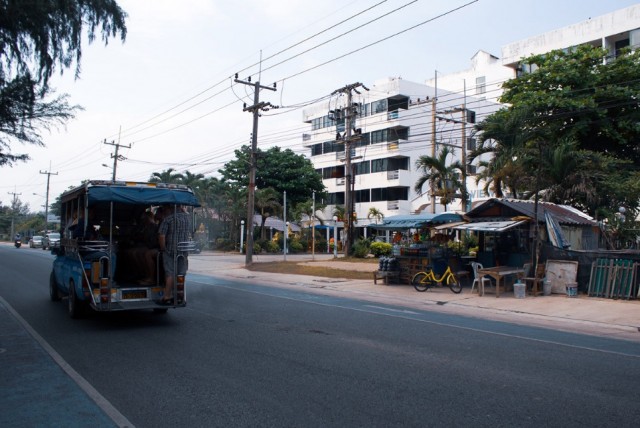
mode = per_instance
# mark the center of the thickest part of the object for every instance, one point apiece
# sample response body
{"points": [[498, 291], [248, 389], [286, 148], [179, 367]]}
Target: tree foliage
{"points": [[444, 177], [36, 38], [570, 132], [282, 170]]}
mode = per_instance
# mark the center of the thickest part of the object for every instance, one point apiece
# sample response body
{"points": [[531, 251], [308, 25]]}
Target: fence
{"points": [[614, 279]]}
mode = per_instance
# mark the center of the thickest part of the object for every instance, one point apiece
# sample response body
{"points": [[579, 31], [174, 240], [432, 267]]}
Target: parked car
{"points": [[35, 241], [51, 240]]}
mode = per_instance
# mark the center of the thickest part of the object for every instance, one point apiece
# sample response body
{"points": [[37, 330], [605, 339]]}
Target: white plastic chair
{"points": [[478, 280]]}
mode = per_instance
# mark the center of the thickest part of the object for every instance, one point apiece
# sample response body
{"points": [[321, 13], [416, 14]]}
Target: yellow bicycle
{"points": [[422, 281]]}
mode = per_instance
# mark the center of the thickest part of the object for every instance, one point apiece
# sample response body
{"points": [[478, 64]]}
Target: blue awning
{"points": [[416, 221]]}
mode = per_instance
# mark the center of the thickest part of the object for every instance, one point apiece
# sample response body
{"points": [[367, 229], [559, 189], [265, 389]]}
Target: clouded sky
{"points": [[168, 90]]}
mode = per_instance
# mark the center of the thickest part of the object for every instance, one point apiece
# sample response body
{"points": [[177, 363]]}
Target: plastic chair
{"points": [[478, 280]]}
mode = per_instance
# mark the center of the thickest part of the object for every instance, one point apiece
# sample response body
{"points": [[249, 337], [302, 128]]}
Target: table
{"points": [[498, 273]]}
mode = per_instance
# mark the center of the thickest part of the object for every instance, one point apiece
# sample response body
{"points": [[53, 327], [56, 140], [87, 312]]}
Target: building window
{"points": [[316, 149], [365, 140], [481, 85], [379, 106], [360, 168], [398, 133], [335, 198], [332, 147], [390, 194], [378, 137], [363, 195], [471, 143], [619, 45], [333, 172], [390, 164]]}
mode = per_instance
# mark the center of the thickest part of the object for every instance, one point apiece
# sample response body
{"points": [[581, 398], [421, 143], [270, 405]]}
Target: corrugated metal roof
{"points": [[563, 214]]}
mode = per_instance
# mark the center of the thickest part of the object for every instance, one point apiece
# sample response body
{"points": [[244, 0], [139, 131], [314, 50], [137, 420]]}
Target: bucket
{"points": [[572, 289], [546, 288], [518, 290]]}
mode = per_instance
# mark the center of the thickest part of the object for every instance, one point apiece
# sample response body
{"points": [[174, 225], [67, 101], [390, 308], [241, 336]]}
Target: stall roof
{"points": [[503, 207], [490, 226], [416, 221]]}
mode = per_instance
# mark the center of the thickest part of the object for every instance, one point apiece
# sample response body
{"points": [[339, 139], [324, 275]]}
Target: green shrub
{"points": [[295, 246], [223, 244], [272, 247], [379, 249], [361, 248], [257, 249]]}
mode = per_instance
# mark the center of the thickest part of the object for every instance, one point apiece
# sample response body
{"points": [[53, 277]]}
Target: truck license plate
{"points": [[134, 294]]}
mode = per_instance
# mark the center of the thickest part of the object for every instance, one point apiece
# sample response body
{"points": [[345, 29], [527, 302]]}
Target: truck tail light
{"points": [[105, 291], [180, 288]]}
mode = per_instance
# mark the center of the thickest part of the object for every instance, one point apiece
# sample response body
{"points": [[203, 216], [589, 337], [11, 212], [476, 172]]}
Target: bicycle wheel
{"points": [[421, 281], [454, 284]]}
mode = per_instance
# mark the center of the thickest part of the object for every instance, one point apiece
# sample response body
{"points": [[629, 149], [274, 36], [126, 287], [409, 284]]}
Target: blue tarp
{"points": [[556, 237], [416, 221], [141, 195]]}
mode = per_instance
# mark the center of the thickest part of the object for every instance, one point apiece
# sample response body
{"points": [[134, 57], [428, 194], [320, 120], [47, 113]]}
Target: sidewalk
{"points": [[39, 389], [587, 315]]}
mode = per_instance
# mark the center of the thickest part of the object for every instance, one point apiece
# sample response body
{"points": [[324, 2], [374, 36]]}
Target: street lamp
{"points": [[241, 235], [335, 236]]}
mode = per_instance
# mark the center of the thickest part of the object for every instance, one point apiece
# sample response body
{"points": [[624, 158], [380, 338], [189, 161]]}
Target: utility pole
{"points": [[46, 200], [464, 144], [13, 211], [349, 179], [255, 109], [433, 140], [116, 156], [468, 116]]}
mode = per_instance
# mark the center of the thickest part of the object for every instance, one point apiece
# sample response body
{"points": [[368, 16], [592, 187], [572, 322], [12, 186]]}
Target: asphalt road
{"points": [[244, 354]]}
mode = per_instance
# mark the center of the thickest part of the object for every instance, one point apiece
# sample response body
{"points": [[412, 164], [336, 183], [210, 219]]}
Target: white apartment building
{"points": [[395, 121], [398, 124], [612, 31]]}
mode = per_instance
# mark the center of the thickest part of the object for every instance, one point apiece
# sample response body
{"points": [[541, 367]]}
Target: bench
{"points": [[386, 276]]}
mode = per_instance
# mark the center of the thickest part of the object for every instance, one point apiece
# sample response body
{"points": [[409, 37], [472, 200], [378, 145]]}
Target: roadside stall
{"points": [[416, 243]]}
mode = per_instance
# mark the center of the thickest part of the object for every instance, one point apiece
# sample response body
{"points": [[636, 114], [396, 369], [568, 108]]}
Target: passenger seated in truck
{"points": [[145, 249]]}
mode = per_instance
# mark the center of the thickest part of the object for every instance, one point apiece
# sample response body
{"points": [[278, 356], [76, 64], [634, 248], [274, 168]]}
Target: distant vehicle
{"points": [[17, 242], [35, 241], [51, 240]]}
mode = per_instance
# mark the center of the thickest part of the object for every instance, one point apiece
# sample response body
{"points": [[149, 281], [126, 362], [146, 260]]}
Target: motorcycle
{"points": [[17, 243]]}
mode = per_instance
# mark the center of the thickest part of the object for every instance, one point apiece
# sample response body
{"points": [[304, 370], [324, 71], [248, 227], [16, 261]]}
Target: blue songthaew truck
{"points": [[107, 260]]}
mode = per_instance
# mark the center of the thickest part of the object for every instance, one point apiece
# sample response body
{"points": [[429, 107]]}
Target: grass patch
{"points": [[303, 269]]}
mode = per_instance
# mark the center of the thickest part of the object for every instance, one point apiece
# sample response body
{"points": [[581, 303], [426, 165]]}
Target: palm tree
{"points": [[168, 176], [446, 179], [505, 135], [376, 214], [267, 203], [340, 212]]}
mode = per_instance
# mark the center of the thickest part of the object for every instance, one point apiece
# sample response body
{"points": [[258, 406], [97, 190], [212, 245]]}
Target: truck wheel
{"points": [[53, 288], [75, 306]]}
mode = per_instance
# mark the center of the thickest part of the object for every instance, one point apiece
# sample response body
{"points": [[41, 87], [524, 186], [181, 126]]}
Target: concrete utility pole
{"points": [[13, 211], [116, 156], [46, 201], [349, 179], [433, 140], [468, 116], [255, 109]]}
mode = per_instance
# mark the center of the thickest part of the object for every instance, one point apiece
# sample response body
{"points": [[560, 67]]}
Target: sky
{"points": [[167, 94]]}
